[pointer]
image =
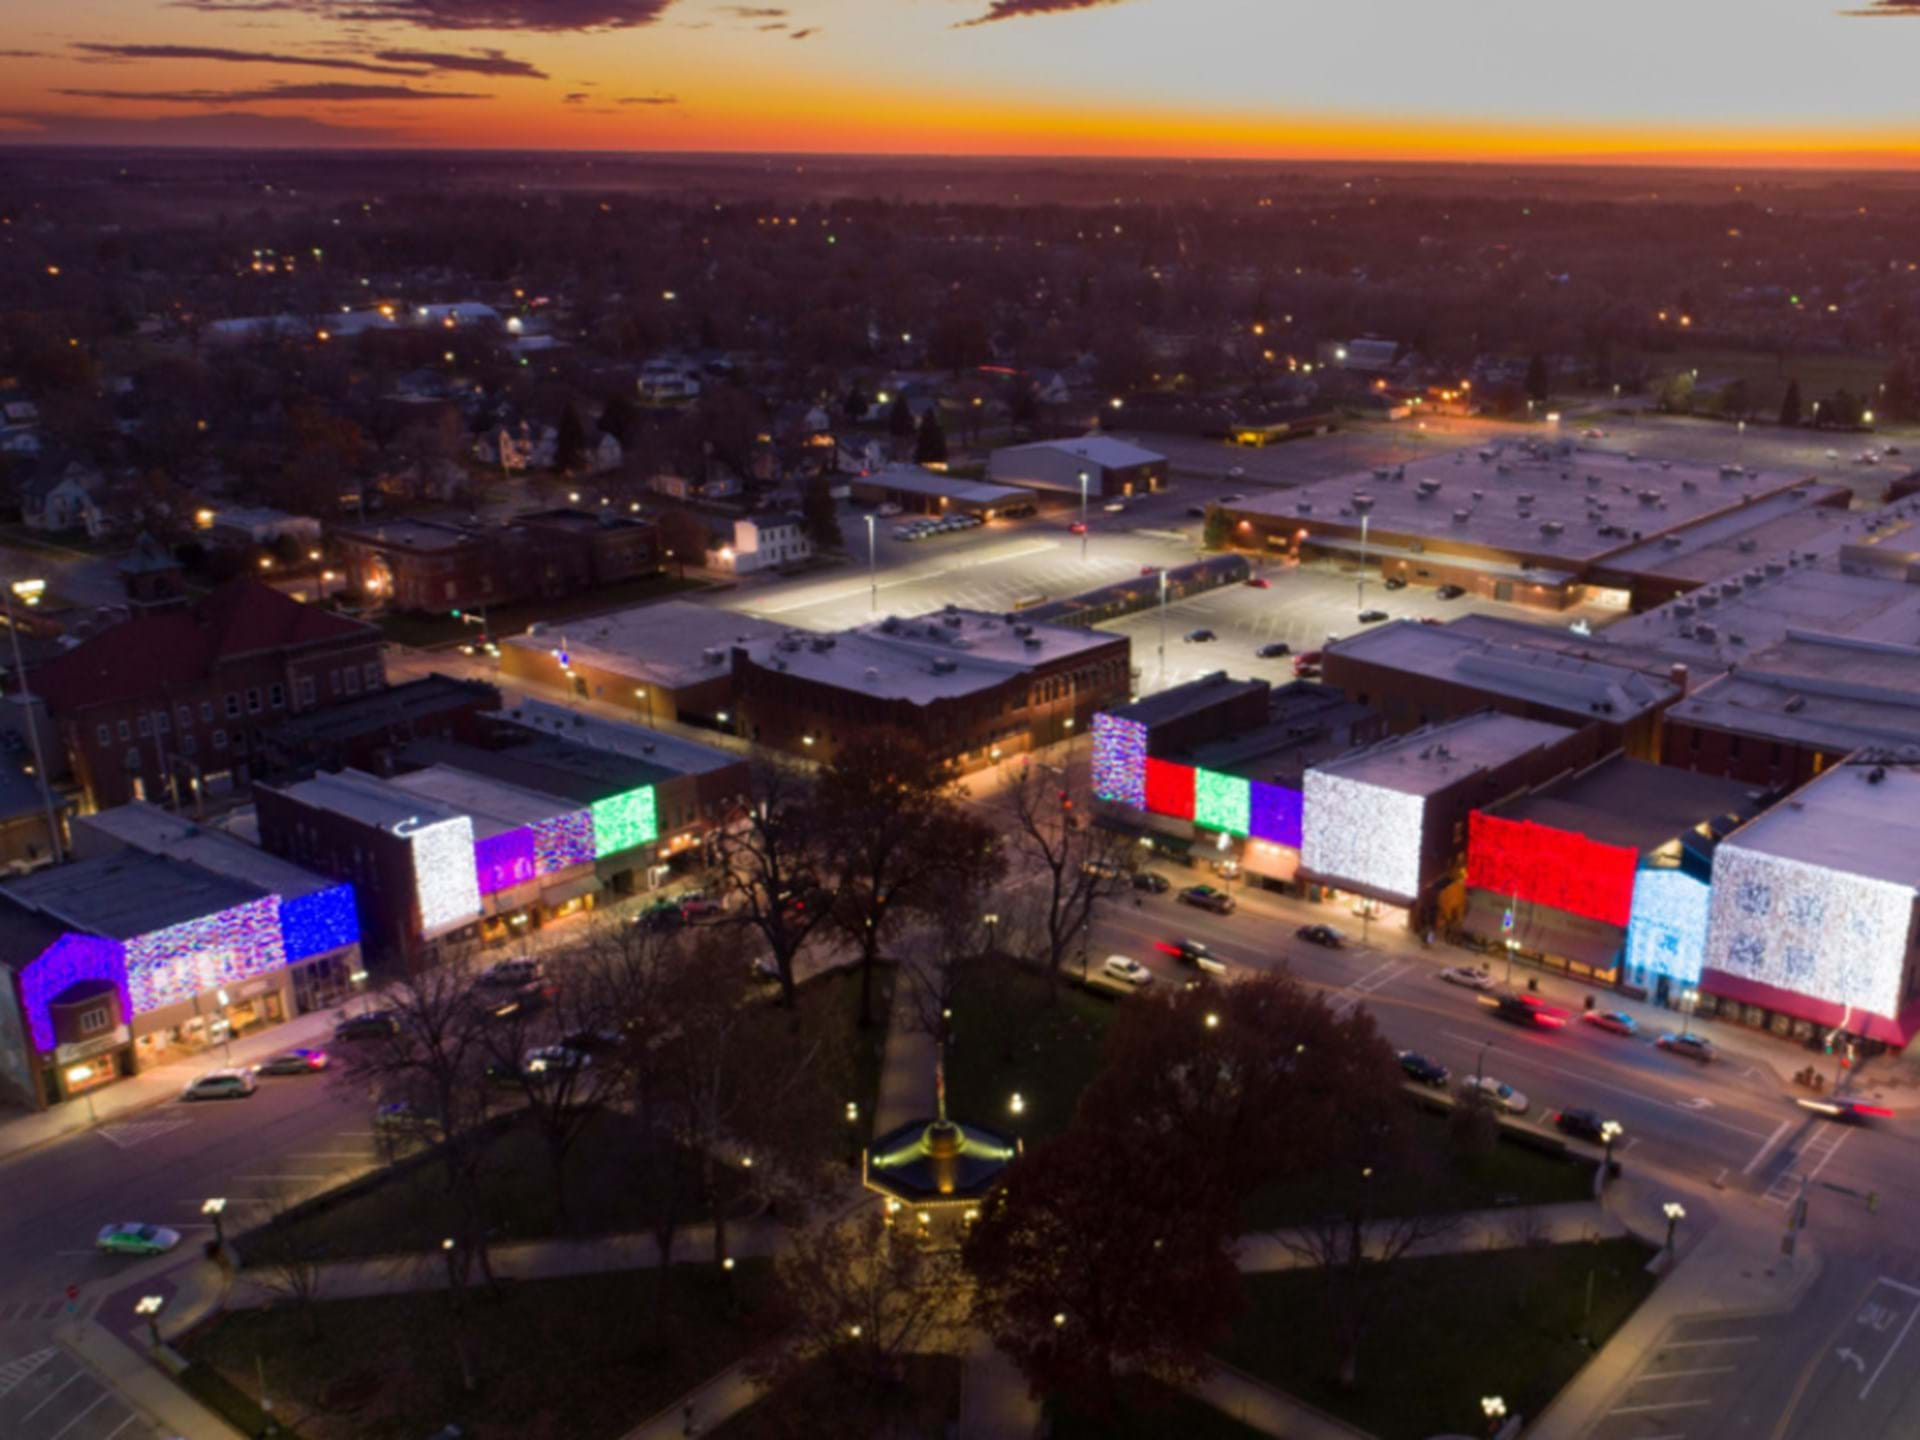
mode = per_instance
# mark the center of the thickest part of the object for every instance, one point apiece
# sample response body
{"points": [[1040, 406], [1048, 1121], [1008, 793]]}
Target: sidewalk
{"points": [[1503, 1229], [142, 1384], [1257, 1404]]}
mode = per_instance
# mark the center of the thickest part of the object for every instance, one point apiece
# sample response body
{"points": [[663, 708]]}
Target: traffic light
{"points": [[454, 613]]}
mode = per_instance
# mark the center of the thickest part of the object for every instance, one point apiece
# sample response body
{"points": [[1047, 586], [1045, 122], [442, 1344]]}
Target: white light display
{"points": [[1668, 935], [1826, 934], [444, 876], [1364, 835]]}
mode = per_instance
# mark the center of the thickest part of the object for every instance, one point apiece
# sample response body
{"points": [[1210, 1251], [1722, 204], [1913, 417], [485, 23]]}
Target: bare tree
{"points": [[772, 866], [285, 1263], [1068, 865]]}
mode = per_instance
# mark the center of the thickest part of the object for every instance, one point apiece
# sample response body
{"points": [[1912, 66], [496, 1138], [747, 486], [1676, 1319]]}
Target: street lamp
{"points": [[1084, 477], [643, 692], [1495, 1409], [213, 1209], [1610, 1131], [149, 1307], [873, 572], [1213, 1020], [1360, 594], [1675, 1213], [1017, 1104]]}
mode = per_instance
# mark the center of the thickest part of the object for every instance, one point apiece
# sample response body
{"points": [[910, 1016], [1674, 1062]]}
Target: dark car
{"points": [[302, 1061], [1151, 881], [1198, 512], [1450, 592], [1395, 582], [1582, 1124], [372, 1025], [1322, 935], [1200, 636], [1208, 898], [1274, 650], [698, 907], [1195, 953], [1851, 1112], [1260, 582], [1425, 1071], [661, 918], [1372, 617], [1525, 1010]]}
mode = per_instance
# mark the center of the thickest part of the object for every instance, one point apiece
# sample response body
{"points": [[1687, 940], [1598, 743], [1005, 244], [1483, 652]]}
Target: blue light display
{"points": [[68, 961], [1668, 932], [321, 921]]}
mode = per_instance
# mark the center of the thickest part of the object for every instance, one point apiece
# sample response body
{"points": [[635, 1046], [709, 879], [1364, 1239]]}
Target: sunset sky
{"points": [[1760, 81]]}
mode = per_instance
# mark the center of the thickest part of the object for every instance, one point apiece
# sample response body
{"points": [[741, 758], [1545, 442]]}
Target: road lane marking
{"points": [[1897, 1285], [1761, 1154], [1658, 1405], [129, 1420], [1695, 1344], [98, 1400], [1682, 1374], [1789, 1183], [51, 1397], [1897, 1341]]}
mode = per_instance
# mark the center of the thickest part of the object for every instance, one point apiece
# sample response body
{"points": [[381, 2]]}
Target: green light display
{"points": [[1222, 802], [624, 821]]}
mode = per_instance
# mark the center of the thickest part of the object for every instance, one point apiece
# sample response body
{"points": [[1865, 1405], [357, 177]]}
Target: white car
{"points": [[221, 1085], [1121, 967], [1498, 1093], [1467, 976]]}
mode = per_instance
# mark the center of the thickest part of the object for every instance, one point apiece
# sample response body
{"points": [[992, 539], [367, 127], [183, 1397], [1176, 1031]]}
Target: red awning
{"points": [[1806, 1007]]}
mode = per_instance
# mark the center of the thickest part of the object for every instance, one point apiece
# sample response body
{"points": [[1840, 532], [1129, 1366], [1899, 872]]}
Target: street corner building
{"points": [[162, 940]]}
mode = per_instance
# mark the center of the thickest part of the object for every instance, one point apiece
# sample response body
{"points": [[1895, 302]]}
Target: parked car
{"points": [[302, 1061], [1450, 592], [1396, 582], [661, 916], [1498, 1093], [133, 1238], [220, 1085], [1467, 976], [1195, 953], [1372, 617], [509, 974], [1149, 569], [369, 1025], [1274, 650], [1694, 1047], [403, 1118], [695, 907], [1151, 881], [1121, 967], [1200, 636], [1581, 1123], [594, 1042], [1115, 507], [889, 508], [547, 1059], [1259, 582], [1197, 512], [1208, 898], [1618, 1021], [1324, 936], [1427, 1072], [1100, 869], [1307, 661]]}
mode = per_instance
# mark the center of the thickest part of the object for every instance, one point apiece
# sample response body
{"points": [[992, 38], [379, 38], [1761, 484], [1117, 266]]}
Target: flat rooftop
{"points": [[544, 764], [161, 832], [1846, 821], [1192, 698], [1821, 691], [1428, 760], [1520, 671], [916, 480], [367, 799], [1802, 521], [396, 705], [655, 747], [1633, 803], [495, 805], [411, 534], [1307, 725], [675, 643], [1543, 505], [128, 894], [937, 656], [1107, 451]]}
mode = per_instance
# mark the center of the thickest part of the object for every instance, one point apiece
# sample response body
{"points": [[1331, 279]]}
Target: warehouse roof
{"points": [[366, 798], [1434, 757], [674, 643], [915, 480], [1860, 818], [129, 893], [656, 747], [161, 832], [1633, 803]]}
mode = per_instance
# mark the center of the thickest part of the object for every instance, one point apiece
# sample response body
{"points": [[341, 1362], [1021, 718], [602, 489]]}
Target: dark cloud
{"points": [[252, 57], [804, 34], [480, 62], [540, 15], [773, 25], [1887, 9], [1016, 9], [753, 12], [228, 128], [648, 100], [328, 93], [24, 55], [576, 98]]}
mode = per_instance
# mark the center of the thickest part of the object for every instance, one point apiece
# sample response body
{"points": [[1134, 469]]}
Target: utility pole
{"points": [[873, 572], [1163, 626], [33, 731], [1083, 514]]}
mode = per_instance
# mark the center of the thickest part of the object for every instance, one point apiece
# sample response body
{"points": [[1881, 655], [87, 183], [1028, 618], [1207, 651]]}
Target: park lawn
{"points": [[423, 630], [1454, 1328], [1010, 1038], [1447, 1183], [829, 1003], [574, 1357], [925, 1406], [1147, 1409]]}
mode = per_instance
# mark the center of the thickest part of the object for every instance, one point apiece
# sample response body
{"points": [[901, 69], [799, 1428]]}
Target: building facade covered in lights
{"points": [[128, 958], [1811, 918]]}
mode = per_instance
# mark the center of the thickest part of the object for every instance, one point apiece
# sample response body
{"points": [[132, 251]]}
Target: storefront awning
{"points": [[1543, 931], [1825, 1013], [571, 889]]}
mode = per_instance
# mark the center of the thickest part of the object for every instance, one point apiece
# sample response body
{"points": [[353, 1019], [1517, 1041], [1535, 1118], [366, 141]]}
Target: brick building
{"points": [[181, 696]]}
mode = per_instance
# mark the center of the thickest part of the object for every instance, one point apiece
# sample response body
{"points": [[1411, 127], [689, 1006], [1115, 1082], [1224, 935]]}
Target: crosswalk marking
{"points": [[1376, 979], [1805, 1165], [127, 1133], [14, 1372]]}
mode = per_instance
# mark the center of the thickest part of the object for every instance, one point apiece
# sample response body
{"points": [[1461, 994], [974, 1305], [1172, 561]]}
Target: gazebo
{"points": [[934, 1165]]}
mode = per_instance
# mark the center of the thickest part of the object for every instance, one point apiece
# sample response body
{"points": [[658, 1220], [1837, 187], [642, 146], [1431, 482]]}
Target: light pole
{"points": [[213, 1209], [1610, 1131], [1360, 593], [1495, 1409], [645, 692], [1163, 625], [31, 595], [1083, 514], [873, 571], [148, 1308], [1675, 1213], [1689, 998]]}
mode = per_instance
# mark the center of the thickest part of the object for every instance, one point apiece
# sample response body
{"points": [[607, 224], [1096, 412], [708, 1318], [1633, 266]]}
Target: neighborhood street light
{"points": [[1495, 1409], [149, 1308], [213, 1209], [1610, 1131], [1675, 1213]]}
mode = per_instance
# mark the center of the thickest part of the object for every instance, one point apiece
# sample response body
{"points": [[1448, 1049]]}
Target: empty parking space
{"points": [[1685, 1387], [45, 1394]]}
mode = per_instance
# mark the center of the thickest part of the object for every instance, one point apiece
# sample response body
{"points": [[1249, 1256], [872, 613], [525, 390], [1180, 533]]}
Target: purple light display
{"points": [[1276, 814], [1120, 760], [224, 948], [563, 842], [68, 961], [502, 861]]}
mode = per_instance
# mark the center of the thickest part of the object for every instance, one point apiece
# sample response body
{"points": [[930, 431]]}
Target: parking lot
{"points": [[45, 1394]]}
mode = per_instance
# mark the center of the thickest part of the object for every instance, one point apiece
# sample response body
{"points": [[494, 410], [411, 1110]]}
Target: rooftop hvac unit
{"points": [[1021, 627], [942, 665], [778, 663], [1305, 507], [873, 672], [713, 655], [1666, 464], [1525, 497], [1705, 632], [1672, 542], [789, 643], [1033, 642], [1593, 482], [1380, 472], [1733, 639], [1479, 494], [1795, 704], [1460, 517], [952, 621], [1552, 527], [824, 644], [1689, 486], [1649, 497], [1362, 502], [1774, 567]]}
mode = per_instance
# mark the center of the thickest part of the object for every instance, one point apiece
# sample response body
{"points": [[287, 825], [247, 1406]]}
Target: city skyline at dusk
{"points": [[1808, 84]]}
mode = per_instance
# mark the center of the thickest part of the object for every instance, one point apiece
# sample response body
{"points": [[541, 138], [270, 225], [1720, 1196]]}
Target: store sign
{"points": [[99, 1045]]}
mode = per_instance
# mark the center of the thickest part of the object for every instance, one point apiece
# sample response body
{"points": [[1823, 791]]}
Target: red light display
{"points": [[1170, 789], [1557, 868]]}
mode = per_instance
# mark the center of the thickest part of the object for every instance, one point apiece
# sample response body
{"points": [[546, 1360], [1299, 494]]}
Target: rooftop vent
{"points": [[1551, 527], [1795, 704], [1460, 517], [944, 665], [1525, 497], [1593, 482], [873, 672], [1689, 485], [1033, 642], [1705, 632]]}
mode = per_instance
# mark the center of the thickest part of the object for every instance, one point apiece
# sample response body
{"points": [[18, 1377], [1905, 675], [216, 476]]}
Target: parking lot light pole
{"points": [[213, 1209], [148, 1308], [1480, 1062], [1360, 593], [1610, 1131], [1675, 1213], [1083, 514], [1495, 1409], [873, 571]]}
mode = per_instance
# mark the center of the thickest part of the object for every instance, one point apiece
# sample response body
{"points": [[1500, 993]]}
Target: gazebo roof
{"points": [[937, 1162]]}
